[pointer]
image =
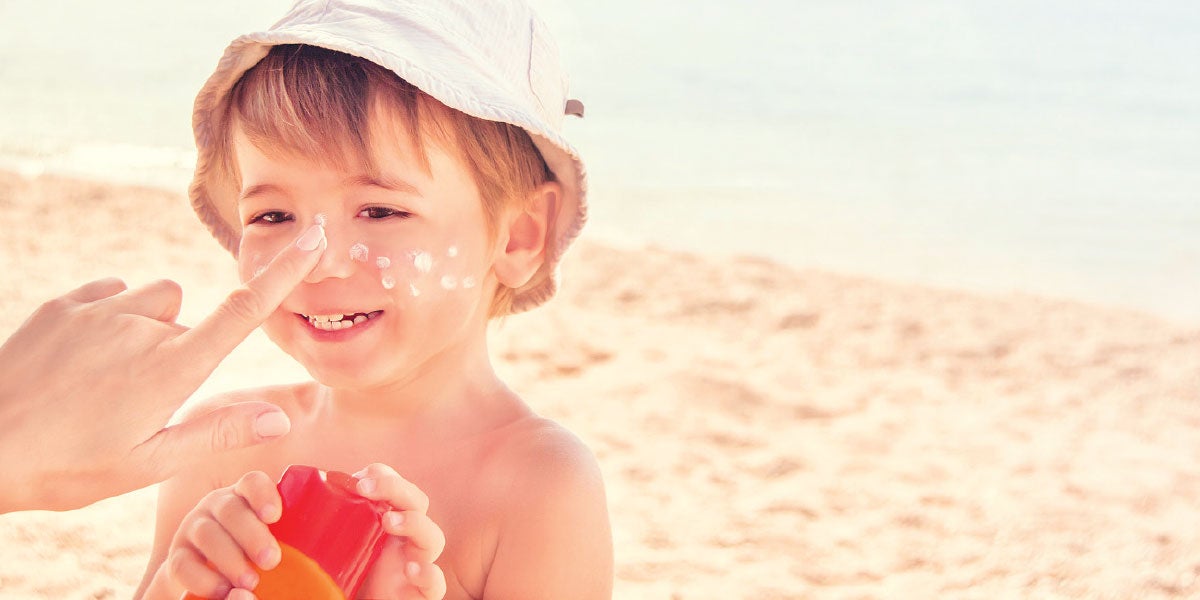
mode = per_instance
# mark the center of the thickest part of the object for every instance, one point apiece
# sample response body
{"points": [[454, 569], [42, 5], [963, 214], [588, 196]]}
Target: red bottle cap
{"points": [[325, 518]]}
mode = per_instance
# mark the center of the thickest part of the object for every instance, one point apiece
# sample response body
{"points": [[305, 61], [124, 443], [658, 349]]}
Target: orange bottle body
{"points": [[297, 577]]}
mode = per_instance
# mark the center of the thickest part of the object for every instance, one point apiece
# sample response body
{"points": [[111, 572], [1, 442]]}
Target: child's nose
{"points": [[337, 261]]}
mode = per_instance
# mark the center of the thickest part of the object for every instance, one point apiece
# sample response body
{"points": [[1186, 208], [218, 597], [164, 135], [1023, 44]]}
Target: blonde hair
{"points": [[308, 101]]}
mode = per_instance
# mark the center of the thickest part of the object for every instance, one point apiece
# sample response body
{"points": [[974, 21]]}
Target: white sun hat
{"points": [[491, 59]]}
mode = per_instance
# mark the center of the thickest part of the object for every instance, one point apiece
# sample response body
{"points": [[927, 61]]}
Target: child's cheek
{"points": [[425, 271]]}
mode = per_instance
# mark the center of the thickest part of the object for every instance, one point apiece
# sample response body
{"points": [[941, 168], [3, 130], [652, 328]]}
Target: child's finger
{"points": [[380, 482], [386, 579], [261, 495], [187, 567], [240, 594], [248, 531], [427, 578], [425, 539], [219, 549]]}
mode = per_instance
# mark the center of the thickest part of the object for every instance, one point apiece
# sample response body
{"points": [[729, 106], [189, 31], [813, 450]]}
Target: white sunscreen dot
{"points": [[422, 261], [412, 289], [359, 252], [468, 283], [320, 219], [449, 282], [383, 262], [452, 251], [260, 270], [388, 283]]}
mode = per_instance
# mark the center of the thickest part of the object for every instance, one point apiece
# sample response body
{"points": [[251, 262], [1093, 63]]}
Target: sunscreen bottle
{"points": [[328, 534]]}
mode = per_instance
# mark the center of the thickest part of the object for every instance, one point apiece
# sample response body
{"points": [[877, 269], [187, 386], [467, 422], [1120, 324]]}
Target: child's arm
{"points": [[555, 540]]}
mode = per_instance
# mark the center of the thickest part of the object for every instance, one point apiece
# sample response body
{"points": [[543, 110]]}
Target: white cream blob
{"points": [[449, 282], [468, 283], [359, 252], [452, 251], [412, 289], [422, 260], [320, 219], [383, 262], [388, 282]]}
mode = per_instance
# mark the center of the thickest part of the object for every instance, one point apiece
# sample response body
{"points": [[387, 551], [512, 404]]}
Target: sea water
{"points": [[1049, 147]]}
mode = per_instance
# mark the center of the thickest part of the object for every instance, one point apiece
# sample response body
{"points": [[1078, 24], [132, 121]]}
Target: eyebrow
{"points": [[387, 183], [259, 190]]}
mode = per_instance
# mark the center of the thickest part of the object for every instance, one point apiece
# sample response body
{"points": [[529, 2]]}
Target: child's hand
{"points": [[212, 550], [405, 568]]}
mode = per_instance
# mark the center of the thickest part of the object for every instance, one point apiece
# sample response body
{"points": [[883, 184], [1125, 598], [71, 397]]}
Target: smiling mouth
{"points": [[338, 322]]}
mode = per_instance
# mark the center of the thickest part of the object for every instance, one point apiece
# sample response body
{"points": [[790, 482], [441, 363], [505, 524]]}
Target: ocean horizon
{"points": [[1048, 148]]}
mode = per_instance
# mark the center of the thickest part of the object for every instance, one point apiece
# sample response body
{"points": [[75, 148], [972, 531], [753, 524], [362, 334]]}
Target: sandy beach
{"points": [[764, 432]]}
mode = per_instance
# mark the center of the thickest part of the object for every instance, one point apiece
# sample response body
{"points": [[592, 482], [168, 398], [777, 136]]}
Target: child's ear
{"points": [[522, 236]]}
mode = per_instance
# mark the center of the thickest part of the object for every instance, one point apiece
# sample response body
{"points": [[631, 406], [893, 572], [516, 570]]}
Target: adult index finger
{"points": [[247, 307]]}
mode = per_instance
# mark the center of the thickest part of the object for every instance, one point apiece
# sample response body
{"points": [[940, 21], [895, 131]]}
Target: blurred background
{"points": [[1043, 147], [764, 432]]}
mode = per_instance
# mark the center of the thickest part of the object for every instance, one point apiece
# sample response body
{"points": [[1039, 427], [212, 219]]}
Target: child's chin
{"points": [[341, 376]]}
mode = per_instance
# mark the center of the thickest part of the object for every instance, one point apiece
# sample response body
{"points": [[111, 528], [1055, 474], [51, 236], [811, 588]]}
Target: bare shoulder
{"points": [[537, 453], [554, 539]]}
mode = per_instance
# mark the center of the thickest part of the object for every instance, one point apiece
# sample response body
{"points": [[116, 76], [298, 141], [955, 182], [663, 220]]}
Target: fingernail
{"points": [[311, 239], [268, 558], [412, 569], [249, 581], [360, 474], [366, 486], [272, 424], [395, 520], [239, 594], [269, 513]]}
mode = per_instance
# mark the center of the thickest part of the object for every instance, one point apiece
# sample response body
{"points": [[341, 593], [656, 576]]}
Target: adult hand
{"points": [[90, 380]]}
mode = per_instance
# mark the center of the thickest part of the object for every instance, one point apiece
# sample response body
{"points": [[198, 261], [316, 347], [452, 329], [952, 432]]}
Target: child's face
{"points": [[408, 261]]}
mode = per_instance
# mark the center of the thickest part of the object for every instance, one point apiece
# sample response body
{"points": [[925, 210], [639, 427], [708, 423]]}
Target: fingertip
{"points": [[367, 486], [241, 594], [270, 513], [97, 290], [168, 286], [272, 424], [269, 558], [393, 521], [312, 238]]}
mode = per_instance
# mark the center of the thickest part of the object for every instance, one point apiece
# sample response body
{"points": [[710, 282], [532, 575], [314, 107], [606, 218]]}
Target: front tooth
{"points": [[326, 318], [360, 319]]}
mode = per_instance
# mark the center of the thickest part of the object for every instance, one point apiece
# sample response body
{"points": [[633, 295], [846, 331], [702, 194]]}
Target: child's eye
{"points": [[382, 212], [272, 216]]}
